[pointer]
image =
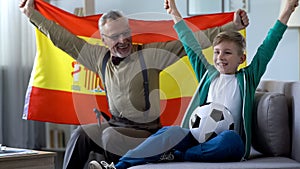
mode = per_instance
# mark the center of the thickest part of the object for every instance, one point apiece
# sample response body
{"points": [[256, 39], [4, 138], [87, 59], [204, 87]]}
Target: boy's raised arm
{"points": [[289, 8], [240, 19], [171, 8]]}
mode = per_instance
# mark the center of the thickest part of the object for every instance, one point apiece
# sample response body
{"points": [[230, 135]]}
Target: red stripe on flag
{"points": [[174, 110], [142, 31], [59, 107]]}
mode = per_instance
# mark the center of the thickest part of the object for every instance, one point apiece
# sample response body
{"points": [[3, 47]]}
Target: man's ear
{"points": [[243, 58], [103, 40]]}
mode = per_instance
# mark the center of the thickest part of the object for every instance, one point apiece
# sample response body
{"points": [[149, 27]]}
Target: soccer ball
{"points": [[210, 120]]}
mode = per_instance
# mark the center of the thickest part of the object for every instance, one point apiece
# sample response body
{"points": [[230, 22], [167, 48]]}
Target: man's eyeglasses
{"points": [[117, 36]]}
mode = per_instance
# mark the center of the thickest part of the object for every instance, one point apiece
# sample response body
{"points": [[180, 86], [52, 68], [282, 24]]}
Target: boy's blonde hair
{"points": [[231, 36]]}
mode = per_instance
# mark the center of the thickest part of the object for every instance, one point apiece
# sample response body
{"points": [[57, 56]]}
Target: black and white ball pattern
{"points": [[210, 120]]}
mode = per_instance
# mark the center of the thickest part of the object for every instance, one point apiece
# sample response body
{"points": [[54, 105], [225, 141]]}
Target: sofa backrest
{"points": [[292, 91]]}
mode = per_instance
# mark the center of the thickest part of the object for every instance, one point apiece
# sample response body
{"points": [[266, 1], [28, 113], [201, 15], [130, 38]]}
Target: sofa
{"points": [[276, 132]]}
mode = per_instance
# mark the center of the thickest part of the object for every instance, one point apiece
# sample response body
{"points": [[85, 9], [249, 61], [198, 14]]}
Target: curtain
{"points": [[17, 52]]}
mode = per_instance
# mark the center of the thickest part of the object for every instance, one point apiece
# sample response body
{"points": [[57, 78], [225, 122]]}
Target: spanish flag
{"points": [[63, 91]]}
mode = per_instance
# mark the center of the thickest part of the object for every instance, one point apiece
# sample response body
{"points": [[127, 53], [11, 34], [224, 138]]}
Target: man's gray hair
{"points": [[111, 15]]}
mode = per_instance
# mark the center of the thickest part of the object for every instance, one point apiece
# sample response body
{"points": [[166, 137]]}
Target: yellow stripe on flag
{"points": [[178, 80], [56, 70]]}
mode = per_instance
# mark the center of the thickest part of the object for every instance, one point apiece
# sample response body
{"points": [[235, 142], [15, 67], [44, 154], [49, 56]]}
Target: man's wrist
{"points": [[229, 26]]}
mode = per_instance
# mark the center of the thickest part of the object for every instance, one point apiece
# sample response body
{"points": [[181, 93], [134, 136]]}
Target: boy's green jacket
{"points": [[248, 77]]}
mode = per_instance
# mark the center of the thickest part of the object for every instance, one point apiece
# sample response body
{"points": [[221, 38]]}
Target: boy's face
{"points": [[227, 58], [116, 35]]}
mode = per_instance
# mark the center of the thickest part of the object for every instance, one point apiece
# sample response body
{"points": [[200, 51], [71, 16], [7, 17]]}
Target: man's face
{"points": [[226, 57], [116, 35]]}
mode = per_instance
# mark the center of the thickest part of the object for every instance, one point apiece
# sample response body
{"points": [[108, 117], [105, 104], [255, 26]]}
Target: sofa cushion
{"points": [[271, 128], [259, 163]]}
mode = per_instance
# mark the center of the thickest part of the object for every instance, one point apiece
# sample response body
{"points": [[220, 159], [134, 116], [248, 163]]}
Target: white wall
{"points": [[285, 63], [262, 14]]}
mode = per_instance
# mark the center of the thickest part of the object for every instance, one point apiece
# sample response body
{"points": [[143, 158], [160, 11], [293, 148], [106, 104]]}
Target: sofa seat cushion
{"points": [[259, 163]]}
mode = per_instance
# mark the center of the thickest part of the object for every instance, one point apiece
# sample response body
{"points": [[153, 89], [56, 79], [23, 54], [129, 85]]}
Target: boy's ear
{"points": [[243, 58]]}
